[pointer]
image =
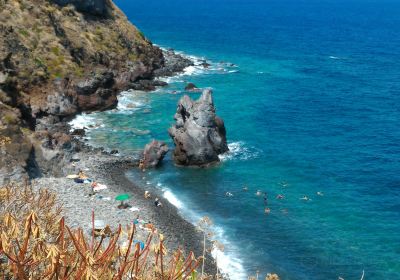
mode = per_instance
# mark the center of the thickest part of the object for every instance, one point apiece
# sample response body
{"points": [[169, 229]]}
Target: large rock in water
{"points": [[199, 135], [154, 153]]}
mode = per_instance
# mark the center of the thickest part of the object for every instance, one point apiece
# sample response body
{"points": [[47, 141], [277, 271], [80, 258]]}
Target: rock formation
{"points": [[199, 135], [173, 63], [154, 153], [59, 58], [191, 87]]}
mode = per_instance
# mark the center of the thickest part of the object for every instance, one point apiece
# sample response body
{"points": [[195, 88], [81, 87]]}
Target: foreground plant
{"points": [[36, 244]]}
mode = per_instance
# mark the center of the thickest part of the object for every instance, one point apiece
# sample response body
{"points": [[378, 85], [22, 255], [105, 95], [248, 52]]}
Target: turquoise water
{"points": [[312, 106]]}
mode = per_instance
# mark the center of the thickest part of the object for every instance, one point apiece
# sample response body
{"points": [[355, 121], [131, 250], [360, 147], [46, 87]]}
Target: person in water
{"points": [[306, 198], [266, 208], [280, 196]]}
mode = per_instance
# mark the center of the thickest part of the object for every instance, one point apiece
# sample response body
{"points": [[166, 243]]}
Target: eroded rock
{"points": [[153, 154], [199, 135]]}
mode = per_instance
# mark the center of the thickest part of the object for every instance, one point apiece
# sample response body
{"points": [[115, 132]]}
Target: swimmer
{"points": [[258, 193], [284, 211], [245, 188], [267, 210], [229, 194], [280, 196], [284, 184], [320, 194], [305, 198]]}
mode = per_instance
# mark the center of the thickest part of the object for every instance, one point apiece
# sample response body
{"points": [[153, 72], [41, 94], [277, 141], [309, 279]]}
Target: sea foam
{"points": [[239, 150], [227, 259]]}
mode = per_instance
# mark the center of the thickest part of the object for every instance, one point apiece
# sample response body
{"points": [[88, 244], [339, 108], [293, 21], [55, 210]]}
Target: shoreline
{"points": [[111, 170]]}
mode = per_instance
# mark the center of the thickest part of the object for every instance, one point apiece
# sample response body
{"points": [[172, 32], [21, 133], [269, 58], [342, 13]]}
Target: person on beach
{"points": [[141, 165], [136, 220], [92, 186], [157, 202], [82, 175], [147, 195]]}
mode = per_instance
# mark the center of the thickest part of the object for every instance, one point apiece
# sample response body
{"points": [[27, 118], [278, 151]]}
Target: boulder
{"points": [[191, 87], [78, 132], [154, 153], [199, 135]]}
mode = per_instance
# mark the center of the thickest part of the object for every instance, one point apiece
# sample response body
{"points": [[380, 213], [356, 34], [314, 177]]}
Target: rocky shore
{"points": [[110, 170], [59, 58]]}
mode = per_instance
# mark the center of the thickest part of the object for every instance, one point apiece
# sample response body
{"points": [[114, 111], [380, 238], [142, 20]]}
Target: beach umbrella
{"points": [[122, 198]]}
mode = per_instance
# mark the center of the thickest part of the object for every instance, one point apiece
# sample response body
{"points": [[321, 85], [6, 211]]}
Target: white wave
{"points": [[226, 259], [239, 150], [199, 69], [334, 57], [131, 101], [168, 195], [83, 121]]}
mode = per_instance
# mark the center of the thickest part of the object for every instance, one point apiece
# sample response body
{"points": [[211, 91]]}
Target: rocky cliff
{"points": [[59, 58]]}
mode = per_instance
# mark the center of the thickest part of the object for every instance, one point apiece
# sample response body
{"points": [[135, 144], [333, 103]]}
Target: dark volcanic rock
{"points": [[78, 132], [199, 135], [174, 63], [154, 153], [191, 87], [147, 85], [96, 7]]}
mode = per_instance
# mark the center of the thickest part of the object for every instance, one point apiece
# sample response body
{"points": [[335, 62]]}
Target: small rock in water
{"points": [[154, 153], [191, 87], [78, 132]]}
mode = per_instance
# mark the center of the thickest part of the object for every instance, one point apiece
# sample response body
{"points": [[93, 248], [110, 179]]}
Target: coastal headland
{"points": [[62, 58]]}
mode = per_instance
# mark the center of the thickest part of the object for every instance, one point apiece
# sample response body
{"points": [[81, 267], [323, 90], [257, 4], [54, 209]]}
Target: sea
{"points": [[310, 94]]}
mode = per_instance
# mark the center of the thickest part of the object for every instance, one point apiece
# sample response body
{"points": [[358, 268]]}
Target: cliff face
{"points": [[62, 57]]}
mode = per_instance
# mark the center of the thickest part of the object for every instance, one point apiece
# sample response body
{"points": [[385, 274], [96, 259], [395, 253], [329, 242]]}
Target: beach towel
{"points": [[99, 187]]}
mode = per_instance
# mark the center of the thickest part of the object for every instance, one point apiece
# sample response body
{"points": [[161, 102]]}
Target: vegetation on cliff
{"points": [[59, 58], [47, 50]]}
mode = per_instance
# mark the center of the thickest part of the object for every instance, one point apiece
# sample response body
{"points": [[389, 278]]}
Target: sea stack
{"points": [[199, 134]]}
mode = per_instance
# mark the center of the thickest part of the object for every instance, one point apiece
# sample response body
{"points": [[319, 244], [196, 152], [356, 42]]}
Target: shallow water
{"points": [[311, 105]]}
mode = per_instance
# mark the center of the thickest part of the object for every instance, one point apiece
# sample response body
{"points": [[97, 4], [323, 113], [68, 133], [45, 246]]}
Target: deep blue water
{"points": [[313, 106]]}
